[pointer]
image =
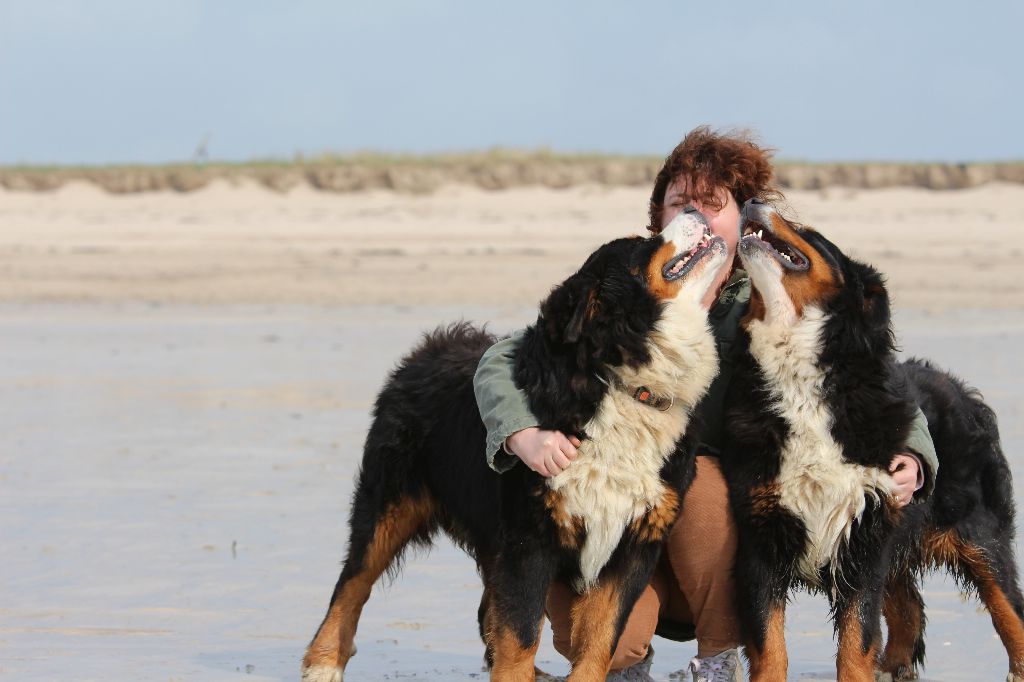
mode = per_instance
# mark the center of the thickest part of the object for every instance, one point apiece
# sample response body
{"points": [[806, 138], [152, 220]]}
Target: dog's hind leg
{"points": [[375, 541], [903, 609], [986, 561]]}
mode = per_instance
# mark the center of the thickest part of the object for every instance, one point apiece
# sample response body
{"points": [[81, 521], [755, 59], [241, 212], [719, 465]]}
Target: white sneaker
{"points": [[723, 667], [638, 672]]}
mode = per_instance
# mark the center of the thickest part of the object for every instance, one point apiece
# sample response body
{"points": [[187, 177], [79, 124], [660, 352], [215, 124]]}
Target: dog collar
{"points": [[645, 396], [642, 395]]}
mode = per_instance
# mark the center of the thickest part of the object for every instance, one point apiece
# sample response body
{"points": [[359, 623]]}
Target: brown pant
{"points": [[692, 584]]}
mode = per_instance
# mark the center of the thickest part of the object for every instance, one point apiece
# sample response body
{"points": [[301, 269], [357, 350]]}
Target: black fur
{"points": [[872, 399], [426, 442], [972, 502]]}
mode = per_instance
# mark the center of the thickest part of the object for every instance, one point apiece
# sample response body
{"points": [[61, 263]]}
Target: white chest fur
{"points": [[826, 492], [616, 477]]}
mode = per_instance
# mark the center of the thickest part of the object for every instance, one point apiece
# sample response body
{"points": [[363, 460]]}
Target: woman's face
{"points": [[724, 221]]}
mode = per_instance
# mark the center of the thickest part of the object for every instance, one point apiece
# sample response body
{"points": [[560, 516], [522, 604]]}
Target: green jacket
{"points": [[504, 409]]}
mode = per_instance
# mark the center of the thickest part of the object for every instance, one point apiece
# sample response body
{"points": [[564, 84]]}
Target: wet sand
{"points": [[174, 486], [178, 447]]}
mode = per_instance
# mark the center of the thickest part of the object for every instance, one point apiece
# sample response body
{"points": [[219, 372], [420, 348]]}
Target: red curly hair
{"points": [[711, 160]]}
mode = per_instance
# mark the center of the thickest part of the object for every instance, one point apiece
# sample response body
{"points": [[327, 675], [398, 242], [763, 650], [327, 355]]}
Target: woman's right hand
{"points": [[547, 452]]}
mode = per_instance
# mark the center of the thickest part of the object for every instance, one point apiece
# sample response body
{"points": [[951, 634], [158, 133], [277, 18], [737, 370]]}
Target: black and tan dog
{"points": [[819, 407], [619, 356]]}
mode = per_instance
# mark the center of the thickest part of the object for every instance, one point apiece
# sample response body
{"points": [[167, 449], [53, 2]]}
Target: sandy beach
{"points": [[186, 379], [227, 244]]}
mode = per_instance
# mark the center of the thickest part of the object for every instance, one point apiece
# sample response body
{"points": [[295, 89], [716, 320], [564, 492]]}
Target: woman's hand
{"points": [[546, 452], [906, 473]]}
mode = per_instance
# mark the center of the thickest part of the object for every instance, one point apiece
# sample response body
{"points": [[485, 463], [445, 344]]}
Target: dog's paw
{"points": [[882, 677], [322, 673], [1014, 678]]}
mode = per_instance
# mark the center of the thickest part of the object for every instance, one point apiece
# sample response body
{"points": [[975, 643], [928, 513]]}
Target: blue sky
{"points": [[113, 81]]}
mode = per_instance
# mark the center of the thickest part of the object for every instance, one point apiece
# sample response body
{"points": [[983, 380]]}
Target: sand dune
{"points": [[496, 169]]}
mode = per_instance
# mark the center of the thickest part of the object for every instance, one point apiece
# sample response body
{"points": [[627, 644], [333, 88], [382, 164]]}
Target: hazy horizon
{"points": [[113, 82]]}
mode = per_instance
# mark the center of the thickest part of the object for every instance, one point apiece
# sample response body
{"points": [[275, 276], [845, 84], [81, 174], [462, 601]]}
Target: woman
{"points": [[716, 173]]}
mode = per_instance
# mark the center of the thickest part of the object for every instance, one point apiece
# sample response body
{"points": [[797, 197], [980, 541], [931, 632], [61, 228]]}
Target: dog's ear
{"points": [[875, 297], [586, 308], [569, 307], [869, 328]]}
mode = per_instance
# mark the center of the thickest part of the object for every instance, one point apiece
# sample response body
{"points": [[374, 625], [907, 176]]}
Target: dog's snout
{"points": [[694, 212], [754, 207]]}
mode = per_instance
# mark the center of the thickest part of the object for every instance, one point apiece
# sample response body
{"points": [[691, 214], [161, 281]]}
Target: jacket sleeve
{"points": [[503, 407], [919, 441]]}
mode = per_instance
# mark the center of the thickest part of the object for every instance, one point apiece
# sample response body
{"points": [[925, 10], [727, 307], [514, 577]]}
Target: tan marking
{"points": [[950, 549], [903, 620], [854, 663], [755, 308], [593, 305], [770, 663], [812, 286], [570, 528], [764, 500], [512, 662], [592, 635], [656, 283], [333, 643], [656, 523], [1006, 622], [942, 548]]}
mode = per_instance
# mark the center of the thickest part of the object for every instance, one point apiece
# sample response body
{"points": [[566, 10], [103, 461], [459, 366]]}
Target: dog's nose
{"points": [[692, 211], [754, 202]]}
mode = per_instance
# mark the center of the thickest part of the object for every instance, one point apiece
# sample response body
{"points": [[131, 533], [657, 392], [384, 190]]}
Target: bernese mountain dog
{"points": [[818, 408], [620, 354]]}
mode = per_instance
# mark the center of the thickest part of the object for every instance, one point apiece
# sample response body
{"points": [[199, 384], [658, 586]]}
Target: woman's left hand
{"points": [[904, 469]]}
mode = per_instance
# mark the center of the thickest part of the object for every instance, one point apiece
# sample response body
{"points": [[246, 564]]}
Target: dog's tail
{"points": [[425, 407]]}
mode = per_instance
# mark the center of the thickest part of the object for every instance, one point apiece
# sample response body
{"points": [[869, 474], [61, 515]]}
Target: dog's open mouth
{"points": [[679, 266], [755, 233]]}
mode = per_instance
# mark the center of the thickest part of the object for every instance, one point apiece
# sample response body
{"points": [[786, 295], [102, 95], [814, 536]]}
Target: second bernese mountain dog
{"points": [[619, 356], [818, 408]]}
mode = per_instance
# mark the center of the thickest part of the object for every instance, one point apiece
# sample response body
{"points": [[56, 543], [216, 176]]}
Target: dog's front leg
{"points": [[770, 541], [600, 614], [903, 609], [517, 588], [764, 618], [859, 628], [858, 588]]}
